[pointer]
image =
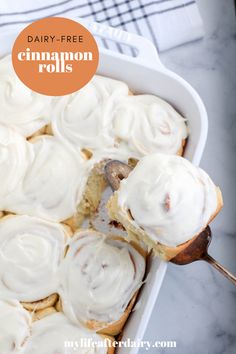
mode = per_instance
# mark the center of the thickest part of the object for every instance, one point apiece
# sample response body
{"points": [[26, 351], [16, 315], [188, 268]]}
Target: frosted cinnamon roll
{"points": [[54, 182], [15, 325], [100, 280], [55, 334], [146, 124], [31, 251], [85, 118], [25, 110], [15, 155], [166, 201]]}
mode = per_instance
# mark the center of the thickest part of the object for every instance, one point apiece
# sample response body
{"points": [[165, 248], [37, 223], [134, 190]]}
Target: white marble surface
{"points": [[197, 306]]}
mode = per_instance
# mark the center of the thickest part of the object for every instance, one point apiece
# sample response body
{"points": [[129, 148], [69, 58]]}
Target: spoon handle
{"points": [[220, 268]]}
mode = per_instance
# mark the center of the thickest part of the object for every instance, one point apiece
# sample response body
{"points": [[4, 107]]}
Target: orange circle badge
{"points": [[55, 56]]}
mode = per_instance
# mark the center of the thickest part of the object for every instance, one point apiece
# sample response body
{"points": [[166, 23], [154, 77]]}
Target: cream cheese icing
{"points": [[15, 154], [53, 183], [31, 251], [100, 276], [105, 119], [146, 124], [101, 117], [56, 334], [85, 117], [21, 108], [15, 324], [169, 198]]}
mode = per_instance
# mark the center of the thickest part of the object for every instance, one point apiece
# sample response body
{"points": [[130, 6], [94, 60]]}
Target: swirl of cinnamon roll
{"points": [[100, 277], [25, 110], [15, 155], [54, 181], [146, 124], [85, 117], [31, 251], [51, 334], [15, 324], [168, 198]]}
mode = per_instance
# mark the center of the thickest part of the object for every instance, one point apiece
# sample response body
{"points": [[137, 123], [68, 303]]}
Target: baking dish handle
{"points": [[146, 51]]}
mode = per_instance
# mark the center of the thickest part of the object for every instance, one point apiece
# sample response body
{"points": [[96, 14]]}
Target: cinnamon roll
{"points": [[85, 118], [174, 203], [31, 251], [100, 279], [21, 108], [15, 325], [146, 124], [56, 334], [54, 181]]}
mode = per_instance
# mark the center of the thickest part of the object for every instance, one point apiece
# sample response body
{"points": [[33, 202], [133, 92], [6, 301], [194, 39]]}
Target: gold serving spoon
{"points": [[115, 171]]}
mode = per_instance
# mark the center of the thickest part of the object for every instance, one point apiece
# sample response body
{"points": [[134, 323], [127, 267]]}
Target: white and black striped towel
{"points": [[168, 23]]}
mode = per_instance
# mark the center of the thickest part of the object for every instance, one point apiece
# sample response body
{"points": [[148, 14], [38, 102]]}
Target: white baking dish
{"points": [[144, 74]]}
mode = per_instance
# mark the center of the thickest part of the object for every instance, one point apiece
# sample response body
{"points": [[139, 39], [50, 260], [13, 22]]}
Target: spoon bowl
{"points": [[197, 250]]}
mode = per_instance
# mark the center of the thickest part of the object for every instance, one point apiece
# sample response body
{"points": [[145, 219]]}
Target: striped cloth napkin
{"points": [[168, 23]]}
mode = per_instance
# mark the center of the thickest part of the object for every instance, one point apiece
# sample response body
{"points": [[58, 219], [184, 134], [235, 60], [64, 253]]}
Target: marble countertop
{"points": [[197, 305]]}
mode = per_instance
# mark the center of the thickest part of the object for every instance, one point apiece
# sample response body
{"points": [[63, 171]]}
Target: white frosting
{"points": [[50, 335], [102, 117], [169, 198], [100, 276], [31, 251], [14, 327], [85, 117], [15, 154], [54, 182], [146, 124], [21, 108]]}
